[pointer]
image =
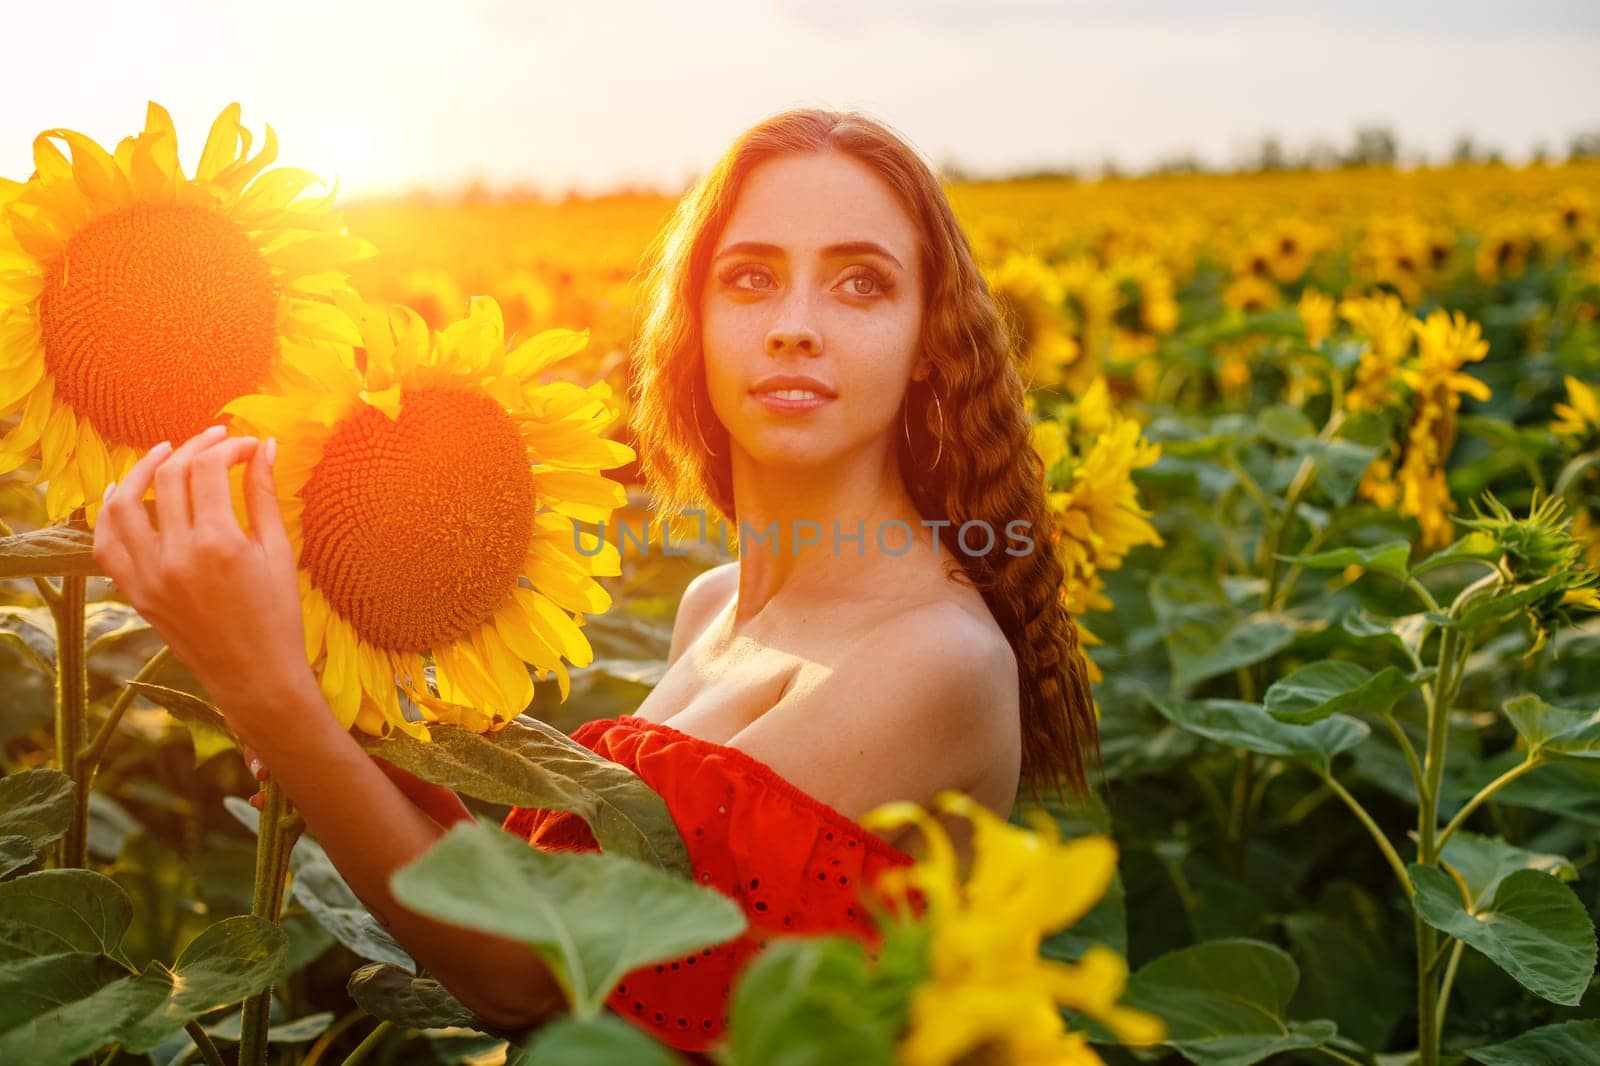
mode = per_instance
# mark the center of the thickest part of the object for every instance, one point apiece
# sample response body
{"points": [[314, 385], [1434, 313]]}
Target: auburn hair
{"points": [[988, 470]]}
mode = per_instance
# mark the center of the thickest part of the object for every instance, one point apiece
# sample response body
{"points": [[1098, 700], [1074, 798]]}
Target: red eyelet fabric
{"points": [[794, 863]]}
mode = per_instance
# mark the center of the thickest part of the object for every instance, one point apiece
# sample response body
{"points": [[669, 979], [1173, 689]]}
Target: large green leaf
{"points": [[1224, 1001], [394, 995], [36, 804], [1555, 730], [1403, 633], [809, 1003], [1534, 928], [1249, 726], [592, 916], [1206, 634], [1386, 558], [1331, 686], [49, 552], [1483, 862], [532, 764], [229, 962], [1562, 1044], [58, 1008], [320, 888], [1479, 544], [601, 1041], [16, 852], [59, 912]]}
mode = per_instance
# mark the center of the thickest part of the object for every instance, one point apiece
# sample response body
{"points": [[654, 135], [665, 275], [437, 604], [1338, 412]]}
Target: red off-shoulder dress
{"points": [[792, 862]]}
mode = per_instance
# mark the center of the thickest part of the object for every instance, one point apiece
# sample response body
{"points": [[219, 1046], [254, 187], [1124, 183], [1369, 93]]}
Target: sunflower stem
{"points": [[95, 750], [266, 902], [202, 1042], [369, 1044], [72, 686]]}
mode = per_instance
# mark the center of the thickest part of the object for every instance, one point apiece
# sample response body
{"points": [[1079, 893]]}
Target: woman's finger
{"points": [[210, 495], [123, 520], [261, 501], [172, 483], [253, 762], [257, 799]]}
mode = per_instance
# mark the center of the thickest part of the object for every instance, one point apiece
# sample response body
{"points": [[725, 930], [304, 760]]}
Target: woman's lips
{"points": [[792, 400]]}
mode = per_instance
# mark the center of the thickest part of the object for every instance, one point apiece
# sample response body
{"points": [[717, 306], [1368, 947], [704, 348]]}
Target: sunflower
{"points": [[432, 497], [1029, 298], [990, 995], [135, 301]]}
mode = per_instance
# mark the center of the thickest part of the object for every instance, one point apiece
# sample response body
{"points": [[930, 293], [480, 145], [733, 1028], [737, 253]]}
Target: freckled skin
{"points": [[800, 312]]}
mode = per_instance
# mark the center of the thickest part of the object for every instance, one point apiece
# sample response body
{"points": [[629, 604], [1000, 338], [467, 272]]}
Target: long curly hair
{"points": [[987, 470]]}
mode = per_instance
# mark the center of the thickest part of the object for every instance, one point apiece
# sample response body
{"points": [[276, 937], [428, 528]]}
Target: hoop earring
{"points": [[699, 431], [940, 436]]}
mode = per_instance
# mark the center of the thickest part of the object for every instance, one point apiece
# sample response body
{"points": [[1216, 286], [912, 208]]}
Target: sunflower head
{"points": [[433, 497], [136, 301]]}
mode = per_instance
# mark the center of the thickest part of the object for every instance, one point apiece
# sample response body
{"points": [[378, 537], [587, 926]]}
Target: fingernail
{"points": [[215, 431], [255, 769], [106, 495], [272, 450], [164, 447]]}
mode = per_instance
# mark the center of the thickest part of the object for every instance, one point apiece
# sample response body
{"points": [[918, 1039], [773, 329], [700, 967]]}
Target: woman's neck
{"points": [[823, 533]]}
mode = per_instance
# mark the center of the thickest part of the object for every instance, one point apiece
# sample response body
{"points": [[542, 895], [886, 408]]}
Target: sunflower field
{"points": [[1323, 452]]}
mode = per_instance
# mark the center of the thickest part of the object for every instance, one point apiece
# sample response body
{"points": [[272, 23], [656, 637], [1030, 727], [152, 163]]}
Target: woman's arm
{"points": [[226, 601], [370, 828]]}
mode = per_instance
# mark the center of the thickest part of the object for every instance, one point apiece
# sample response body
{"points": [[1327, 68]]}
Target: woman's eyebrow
{"points": [[832, 251]]}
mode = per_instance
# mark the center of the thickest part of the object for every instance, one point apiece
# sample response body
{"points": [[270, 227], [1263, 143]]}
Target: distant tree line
{"points": [[1370, 145]]}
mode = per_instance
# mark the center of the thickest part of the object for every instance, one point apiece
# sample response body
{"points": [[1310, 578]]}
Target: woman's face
{"points": [[816, 274]]}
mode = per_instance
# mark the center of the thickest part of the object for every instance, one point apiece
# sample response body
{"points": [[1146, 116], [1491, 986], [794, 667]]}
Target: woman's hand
{"points": [[226, 601]]}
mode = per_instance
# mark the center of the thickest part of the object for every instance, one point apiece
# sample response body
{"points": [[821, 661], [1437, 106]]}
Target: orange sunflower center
{"points": [[416, 529], [154, 317]]}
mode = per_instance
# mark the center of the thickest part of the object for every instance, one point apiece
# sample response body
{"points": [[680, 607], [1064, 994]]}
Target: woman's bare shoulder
{"points": [[704, 596]]}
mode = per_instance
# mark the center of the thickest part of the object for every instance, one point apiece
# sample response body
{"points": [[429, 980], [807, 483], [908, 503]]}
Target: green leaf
{"points": [[1402, 632], [183, 706], [36, 804], [320, 888], [59, 912], [1561, 1044], [1534, 928], [602, 1041], [1555, 730], [1332, 686], [1386, 558], [393, 995], [1285, 424], [1206, 635], [1483, 862], [532, 764], [107, 623], [593, 916], [808, 1002], [299, 1031], [1340, 465], [1479, 544], [50, 552], [230, 961], [58, 1008], [1249, 726], [1507, 602], [16, 852], [32, 631], [1224, 1001]]}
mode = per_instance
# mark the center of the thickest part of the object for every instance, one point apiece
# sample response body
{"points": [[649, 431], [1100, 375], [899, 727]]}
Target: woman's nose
{"points": [[796, 338]]}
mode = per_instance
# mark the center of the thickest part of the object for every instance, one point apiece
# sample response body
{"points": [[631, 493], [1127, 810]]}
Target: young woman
{"points": [[822, 362]]}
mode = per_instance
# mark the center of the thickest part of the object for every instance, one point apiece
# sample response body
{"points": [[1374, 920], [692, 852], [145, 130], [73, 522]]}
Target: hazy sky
{"points": [[392, 94]]}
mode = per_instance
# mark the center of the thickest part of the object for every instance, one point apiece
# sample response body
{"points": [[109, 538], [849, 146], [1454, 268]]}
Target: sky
{"points": [[392, 95]]}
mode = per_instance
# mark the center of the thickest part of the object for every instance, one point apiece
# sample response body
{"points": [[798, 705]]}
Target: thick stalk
{"points": [[266, 902], [72, 687]]}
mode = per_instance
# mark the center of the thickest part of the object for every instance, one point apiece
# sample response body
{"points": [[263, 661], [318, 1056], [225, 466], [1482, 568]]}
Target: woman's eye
{"points": [[757, 280], [863, 285]]}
